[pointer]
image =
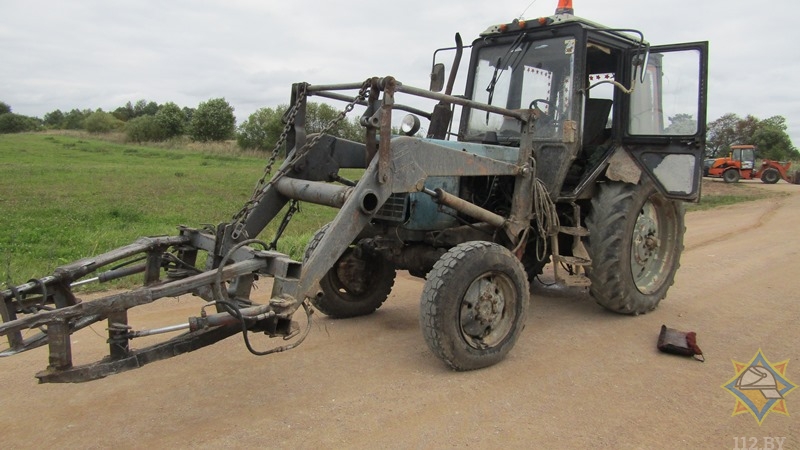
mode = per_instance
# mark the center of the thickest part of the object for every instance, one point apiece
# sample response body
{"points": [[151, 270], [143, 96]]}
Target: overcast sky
{"points": [[58, 54]]}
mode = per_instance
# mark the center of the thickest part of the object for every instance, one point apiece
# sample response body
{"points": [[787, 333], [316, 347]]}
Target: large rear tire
{"points": [[354, 286], [770, 176], [635, 243], [474, 305]]}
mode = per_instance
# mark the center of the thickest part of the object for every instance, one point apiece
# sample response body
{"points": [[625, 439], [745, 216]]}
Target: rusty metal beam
{"points": [[467, 208], [313, 191], [126, 300], [178, 345], [347, 98], [523, 116], [425, 93], [60, 346], [85, 266], [385, 146]]}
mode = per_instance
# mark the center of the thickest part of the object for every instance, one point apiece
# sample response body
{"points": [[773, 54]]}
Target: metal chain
{"points": [[242, 214], [261, 186], [362, 95], [293, 208]]}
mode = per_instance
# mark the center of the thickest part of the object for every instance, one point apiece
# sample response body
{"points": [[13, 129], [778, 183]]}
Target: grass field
{"points": [[66, 197], [63, 198], [716, 193]]}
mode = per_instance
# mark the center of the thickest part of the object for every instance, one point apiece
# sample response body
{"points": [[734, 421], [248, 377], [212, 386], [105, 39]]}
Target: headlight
{"points": [[410, 125]]}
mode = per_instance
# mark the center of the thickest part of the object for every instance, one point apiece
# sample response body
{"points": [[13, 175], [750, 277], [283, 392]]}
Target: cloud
{"points": [[90, 54]]}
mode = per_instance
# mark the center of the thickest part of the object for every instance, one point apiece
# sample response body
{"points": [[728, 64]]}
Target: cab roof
{"points": [[519, 25]]}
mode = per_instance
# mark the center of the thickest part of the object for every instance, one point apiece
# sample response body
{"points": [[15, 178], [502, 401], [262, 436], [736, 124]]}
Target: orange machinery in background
{"points": [[741, 164]]}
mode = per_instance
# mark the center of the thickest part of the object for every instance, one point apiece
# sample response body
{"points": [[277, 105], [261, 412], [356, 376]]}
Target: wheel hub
{"points": [[353, 273], [654, 236], [645, 239], [483, 307], [489, 306]]}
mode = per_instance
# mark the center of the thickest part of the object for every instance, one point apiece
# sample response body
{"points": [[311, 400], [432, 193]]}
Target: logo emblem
{"points": [[760, 387]]}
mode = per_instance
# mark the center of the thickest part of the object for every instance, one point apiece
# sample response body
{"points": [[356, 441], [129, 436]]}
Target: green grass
{"points": [[63, 198], [68, 196], [716, 194], [714, 201]]}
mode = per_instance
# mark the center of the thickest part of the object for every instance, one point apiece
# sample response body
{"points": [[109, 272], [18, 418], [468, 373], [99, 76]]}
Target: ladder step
{"points": [[572, 260], [574, 231]]}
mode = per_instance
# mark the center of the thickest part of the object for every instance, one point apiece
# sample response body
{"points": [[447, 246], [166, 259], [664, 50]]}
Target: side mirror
{"points": [[640, 63], [437, 77]]}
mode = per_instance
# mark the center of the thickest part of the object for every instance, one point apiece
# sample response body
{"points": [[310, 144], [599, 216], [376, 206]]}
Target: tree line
{"points": [[142, 121], [768, 135], [214, 120]]}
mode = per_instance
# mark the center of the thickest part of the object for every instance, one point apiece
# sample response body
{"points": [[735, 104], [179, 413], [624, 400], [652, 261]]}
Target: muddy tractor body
{"points": [[564, 152], [740, 164]]}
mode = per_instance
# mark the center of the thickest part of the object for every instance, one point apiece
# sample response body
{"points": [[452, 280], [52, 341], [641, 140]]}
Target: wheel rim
{"points": [[654, 235], [351, 277], [488, 310]]}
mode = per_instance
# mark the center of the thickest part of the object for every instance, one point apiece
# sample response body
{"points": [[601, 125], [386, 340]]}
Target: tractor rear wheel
{"points": [[355, 285], [770, 176], [635, 243], [474, 305], [731, 176]]}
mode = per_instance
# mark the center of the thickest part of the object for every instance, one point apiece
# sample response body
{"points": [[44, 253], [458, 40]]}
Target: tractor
{"points": [[563, 153], [741, 164]]}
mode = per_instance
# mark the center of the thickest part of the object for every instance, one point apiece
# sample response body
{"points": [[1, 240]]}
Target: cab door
{"points": [[664, 118], [747, 156]]}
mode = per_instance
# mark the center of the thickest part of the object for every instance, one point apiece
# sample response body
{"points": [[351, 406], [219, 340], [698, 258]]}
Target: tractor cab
{"points": [[594, 91], [745, 155]]}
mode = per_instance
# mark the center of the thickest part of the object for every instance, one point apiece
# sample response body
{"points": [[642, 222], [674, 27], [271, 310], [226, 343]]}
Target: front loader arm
{"points": [[392, 165], [49, 304]]}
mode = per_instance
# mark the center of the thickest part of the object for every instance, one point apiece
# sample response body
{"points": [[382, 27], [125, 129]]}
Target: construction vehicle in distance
{"points": [[740, 164], [562, 154]]}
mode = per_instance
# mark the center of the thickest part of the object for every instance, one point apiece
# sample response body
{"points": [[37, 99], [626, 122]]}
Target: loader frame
{"points": [[399, 165]]}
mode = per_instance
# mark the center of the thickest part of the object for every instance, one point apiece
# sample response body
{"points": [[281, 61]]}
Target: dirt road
{"points": [[579, 377]]}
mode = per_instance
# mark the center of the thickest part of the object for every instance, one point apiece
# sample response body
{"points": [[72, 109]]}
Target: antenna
{"points": [[522, 14]]}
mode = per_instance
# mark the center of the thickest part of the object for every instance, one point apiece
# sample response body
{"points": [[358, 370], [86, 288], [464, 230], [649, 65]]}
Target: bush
{"points": [[144, 129], [54, 119], [73, 120], [261, 130], [145, 108], [171, 118], [4, 108], [16, 123], [213, 121], [101, 122]]}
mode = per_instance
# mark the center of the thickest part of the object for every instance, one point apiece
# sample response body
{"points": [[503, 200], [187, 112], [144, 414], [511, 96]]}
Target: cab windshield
{"points": [[521, 75]]}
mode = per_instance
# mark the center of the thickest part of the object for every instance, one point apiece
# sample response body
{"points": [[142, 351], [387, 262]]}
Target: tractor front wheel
{"points": [[635, 243], [474, 305], [355, 285], [731, 176]]}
